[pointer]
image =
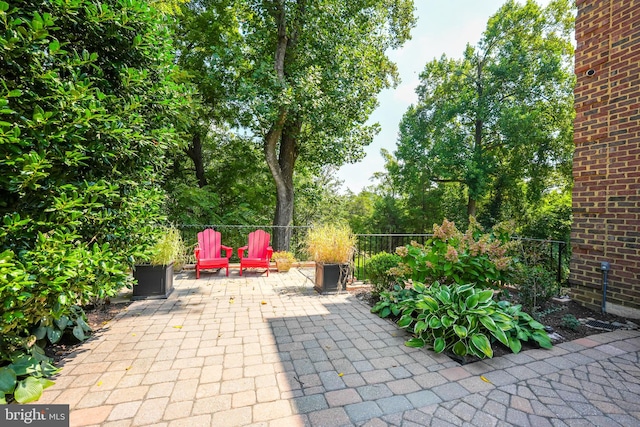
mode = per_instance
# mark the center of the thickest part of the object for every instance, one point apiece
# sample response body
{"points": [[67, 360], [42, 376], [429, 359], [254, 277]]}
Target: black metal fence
{"points": [[553, 254]]}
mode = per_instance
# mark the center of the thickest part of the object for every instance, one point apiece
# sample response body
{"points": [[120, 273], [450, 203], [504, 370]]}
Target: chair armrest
{"points": [[269, 252], [241, 251], [228, 249], [196, 252]]}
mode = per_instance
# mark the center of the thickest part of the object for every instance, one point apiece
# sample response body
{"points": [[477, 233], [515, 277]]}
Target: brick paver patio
{"points": [[269, 351]]}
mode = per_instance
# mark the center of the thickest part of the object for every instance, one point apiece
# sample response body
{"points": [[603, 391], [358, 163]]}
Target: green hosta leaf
{"points": [[28, 390], [415, 343], [395, 310], [460, 349], [54, 334], [542, 338], [536, 325], [24, 365], [444, 295], [501, 336], [481, 342], [435, 323], [460, 331], [405, 321], [3, 399], [488, 323], [62, 322], [40, 332], [419, 287], [7, 381], [385, 312], [427, 303], [439, 345], [463, 288], [446, 321], [472, 300], [46, 383], [419, 327], [78, 332], [379, 306], [485, 296], [515, 345]]}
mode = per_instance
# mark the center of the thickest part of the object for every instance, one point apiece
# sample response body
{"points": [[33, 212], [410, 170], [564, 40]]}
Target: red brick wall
{"points": [[606, 164]]}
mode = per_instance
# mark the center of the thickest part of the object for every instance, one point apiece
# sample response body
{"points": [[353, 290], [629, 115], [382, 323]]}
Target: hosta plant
{"points": [[524, 328], [459, 319]]}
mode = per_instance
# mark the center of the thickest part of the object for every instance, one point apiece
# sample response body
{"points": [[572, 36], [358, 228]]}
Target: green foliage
{"points": [[169, 248], [452, 257], [569, 321], [524, 328], [52, 329], [24, 369], [459, 319], [497, 121], [377, 268], [535, 285], [392, 302], [89, 107]]}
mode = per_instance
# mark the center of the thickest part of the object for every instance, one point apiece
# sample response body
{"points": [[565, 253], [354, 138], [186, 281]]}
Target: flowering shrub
{"points": [[453, 257]]}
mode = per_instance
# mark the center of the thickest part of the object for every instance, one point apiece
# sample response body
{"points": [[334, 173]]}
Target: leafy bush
{"points": [[377, 268], [461, 319], [84, 130], [452, 257]]}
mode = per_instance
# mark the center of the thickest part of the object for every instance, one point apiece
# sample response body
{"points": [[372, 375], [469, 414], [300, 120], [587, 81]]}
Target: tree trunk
{"points": [[195, 154]]}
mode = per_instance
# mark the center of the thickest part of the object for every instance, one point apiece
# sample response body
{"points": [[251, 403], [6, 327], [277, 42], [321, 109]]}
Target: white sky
{"points": [[444, 26]]}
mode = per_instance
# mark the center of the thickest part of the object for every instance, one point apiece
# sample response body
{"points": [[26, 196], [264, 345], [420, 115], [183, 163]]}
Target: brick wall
{"points": [[606, 164]]}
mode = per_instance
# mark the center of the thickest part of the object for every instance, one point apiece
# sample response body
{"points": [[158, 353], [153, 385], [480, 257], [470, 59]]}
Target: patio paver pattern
{"points": [[269, 351]]}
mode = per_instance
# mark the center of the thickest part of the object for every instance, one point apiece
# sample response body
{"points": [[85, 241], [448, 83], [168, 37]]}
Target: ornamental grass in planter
{"points": [[331, 247], [155, 278]]}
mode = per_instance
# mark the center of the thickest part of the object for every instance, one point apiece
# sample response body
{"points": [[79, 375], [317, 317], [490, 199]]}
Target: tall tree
{"points": [[501, 114], [314, 70]]}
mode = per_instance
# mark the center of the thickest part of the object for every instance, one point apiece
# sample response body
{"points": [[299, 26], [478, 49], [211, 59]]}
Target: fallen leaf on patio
{"points": [[99, 383], [127, 368], [133, 335], [178, 327], [263, 302], [340, 374], [485, 379], [231, 300]]}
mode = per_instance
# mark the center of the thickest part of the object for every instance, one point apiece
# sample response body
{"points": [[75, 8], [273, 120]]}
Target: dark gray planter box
{"points": [[154, 281], [328, 277]]}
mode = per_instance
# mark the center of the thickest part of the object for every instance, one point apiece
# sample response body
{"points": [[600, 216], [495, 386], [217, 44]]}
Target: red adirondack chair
{"points": [[259, 251], [208, 252]]}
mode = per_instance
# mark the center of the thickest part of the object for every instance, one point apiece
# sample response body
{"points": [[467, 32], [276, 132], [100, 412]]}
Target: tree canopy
{"points": [[499, 116]]}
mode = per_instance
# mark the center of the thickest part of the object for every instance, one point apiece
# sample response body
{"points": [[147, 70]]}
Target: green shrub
{"points": [[377, 268], [535, 285]]}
